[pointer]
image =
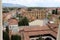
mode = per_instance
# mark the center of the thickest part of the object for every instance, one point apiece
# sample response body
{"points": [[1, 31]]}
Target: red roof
{"points": [[13, 21], [49, 29]]}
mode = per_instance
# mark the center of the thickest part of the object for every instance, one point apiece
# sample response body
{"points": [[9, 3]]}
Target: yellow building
{"points": [[33, 14]]}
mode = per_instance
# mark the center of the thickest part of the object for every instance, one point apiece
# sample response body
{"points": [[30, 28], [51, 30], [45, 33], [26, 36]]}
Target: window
{"points": [[48, 39]]}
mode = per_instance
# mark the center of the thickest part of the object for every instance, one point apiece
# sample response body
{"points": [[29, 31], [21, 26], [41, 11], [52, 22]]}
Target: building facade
{"points": [[33, 14], [34, 32]]}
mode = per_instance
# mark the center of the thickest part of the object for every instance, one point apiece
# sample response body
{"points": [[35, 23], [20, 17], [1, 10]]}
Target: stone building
{"points": [[34, 14], [34, 32]]}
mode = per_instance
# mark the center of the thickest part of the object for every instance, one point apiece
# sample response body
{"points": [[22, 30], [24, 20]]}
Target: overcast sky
{"points": [[35, 3]]}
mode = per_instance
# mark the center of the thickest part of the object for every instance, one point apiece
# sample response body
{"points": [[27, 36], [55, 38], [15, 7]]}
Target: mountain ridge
{"points": [[11, 5]]}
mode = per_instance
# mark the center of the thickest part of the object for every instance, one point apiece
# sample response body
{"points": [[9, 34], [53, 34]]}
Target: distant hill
{"points": [[12, 5]]}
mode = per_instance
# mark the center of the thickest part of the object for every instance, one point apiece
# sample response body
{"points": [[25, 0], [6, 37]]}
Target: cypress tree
{"points": [[15, 37], [24, 22]]}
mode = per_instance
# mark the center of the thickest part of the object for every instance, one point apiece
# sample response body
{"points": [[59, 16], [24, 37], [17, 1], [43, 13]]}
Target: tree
{"points": [[15, 37], [29, 9], [7, 29], [5, 36], [54, 12], [49, 16], [40, 38], [19, 16], [23, 22], [5, 10]]}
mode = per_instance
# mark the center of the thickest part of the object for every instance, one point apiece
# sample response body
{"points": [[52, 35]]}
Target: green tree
{"points": [[23, 22], [19, 16], [7, 29], [5, 36], [15, 37], [49, 16], [40, 38], [5, 10], [55, 11]]}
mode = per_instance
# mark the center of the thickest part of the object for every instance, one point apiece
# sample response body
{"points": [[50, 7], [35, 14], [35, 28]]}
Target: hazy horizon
{"points": [[35, 3]]}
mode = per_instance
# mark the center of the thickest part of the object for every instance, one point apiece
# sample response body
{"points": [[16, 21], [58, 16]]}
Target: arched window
{"points": [[48, 39]]}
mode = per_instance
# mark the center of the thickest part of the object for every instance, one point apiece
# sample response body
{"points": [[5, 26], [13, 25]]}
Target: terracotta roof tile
{"points": [[13, 21], [40, 30]]}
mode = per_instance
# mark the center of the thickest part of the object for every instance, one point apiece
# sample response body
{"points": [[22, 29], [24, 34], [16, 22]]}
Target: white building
{"points": [[38, 22], [13, 25]]}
